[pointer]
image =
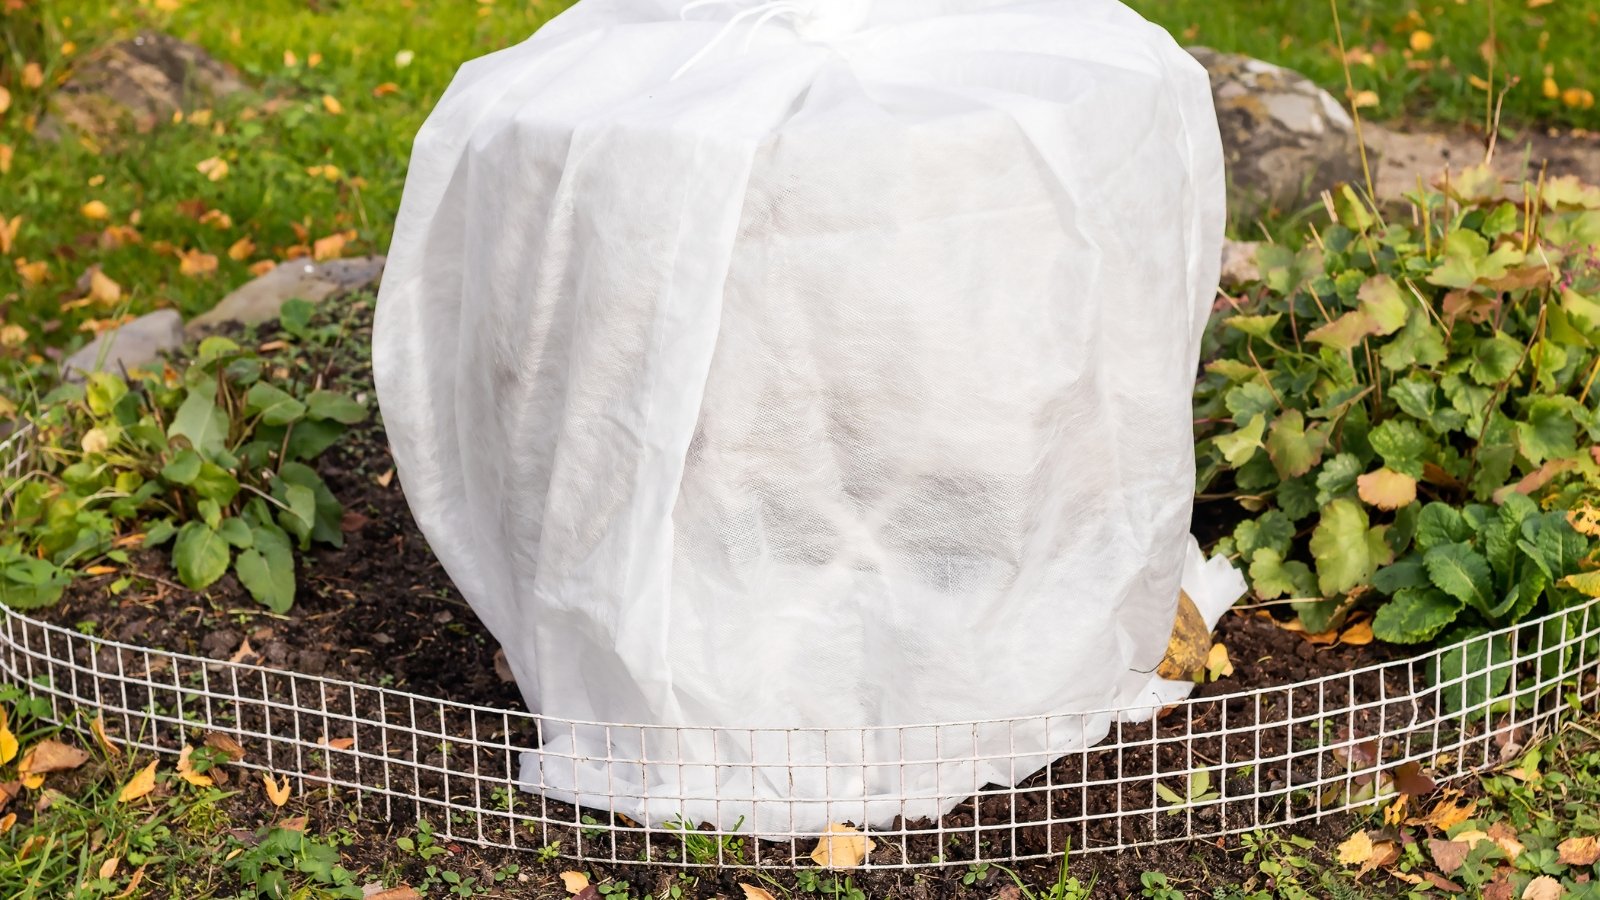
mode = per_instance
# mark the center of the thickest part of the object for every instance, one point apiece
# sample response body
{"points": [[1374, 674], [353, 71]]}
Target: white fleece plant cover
{"points": [[842, 380]]}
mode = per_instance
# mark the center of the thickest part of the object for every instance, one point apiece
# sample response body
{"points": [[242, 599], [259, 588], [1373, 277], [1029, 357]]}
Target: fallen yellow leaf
{"points": [[217, 219], [214, 168], [1357, 635], [1356, 850], [193, 263], [95, 210], [330, 247], [102, 289], [1421, 41], [5, 100], [109, 867], [13, 335], [33, 272], [574, 881], [133, 884], [843, 847], [6, 823], [751, 892], [1218, 665], [8, 741], [8, 232], [6, 154], [140, 785], [277, 793], [242, 249], [98, 729], [186, 769], [1579, 851], [51, 756], [385, 89], [332, 105], [96, 571], [32, 76], [1543, 888], [1552, 91], [1364, 99], [33, 782], [262, 267], [1447, 815]]}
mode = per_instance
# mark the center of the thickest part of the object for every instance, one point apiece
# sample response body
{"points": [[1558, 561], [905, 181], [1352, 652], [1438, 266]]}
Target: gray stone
{"points": [[135, 344], [259, 300], [1285, 139], [140, 82], [1239, 263], [1427, 154]]}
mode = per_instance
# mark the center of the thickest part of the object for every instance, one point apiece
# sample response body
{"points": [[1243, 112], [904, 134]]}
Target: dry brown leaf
{"points": [[1503, 835], [219, 741], [98, 729], [1448, 855], [751, 892], [843, 847], [574, 881], [297, 823], [133, 884], [1384, 853], [1357, 850], [30, 845], [276, 792], [1387, 489], [109, 867], [242, 249], [194, 263], [403, 892], [1579, 851], [1186, 645], [336, 743], [1443, 883], [1357, 635], [140, 785], [186, 769], [1543, 888], [51, 756], [244, 650]]}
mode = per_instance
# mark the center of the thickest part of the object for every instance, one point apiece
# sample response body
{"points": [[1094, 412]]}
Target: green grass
{"points": [[150, 183], [1433, 85]]}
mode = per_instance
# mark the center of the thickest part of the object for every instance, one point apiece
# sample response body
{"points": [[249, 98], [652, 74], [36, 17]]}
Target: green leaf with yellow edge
{"points": [[1387, 489], [1587, 584], [1272, 577], [1239, 446], [1347, 549], [1419, 343], [1255, 326], [1385, 304], [1344, 332], [1294, 451]]}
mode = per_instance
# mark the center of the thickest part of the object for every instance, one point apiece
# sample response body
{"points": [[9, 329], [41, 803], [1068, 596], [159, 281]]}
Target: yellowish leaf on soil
{"points": [[1357, 635], [6, 823], [109, 867], [751, 892], [843, 847], [51, 756], [140, 785], [277, 792], [1218, 665], [98, 729], [133, 884], [8, 741], [574, 881], [1356, 850]]}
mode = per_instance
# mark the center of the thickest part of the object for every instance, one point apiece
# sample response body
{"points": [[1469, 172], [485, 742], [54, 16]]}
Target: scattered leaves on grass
{"points": [[1448, 855], [102, 289], [140, 785], [194, 263], [9, 820], [1357, 850], [277, 792], [186, 769], [1543, 888], [133, 884], [1579, 851], [242, 249], [214, 168], [843, 847]]}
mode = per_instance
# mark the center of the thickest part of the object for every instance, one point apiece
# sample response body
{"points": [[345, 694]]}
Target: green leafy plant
{"points": [[216, 461], [1375, 397], [1197, 789]]}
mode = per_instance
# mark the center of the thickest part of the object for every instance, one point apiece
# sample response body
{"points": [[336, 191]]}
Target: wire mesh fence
{"points": [[1201, 768]]}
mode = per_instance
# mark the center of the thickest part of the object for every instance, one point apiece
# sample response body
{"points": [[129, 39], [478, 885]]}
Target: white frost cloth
{"points": [[842, 381]]}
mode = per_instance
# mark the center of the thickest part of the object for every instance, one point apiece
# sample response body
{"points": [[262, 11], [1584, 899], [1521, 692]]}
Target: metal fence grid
{"points": [[1203, 768]]}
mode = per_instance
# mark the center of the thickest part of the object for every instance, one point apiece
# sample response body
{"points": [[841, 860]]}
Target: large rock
{"points": [[139, 82], [1285, 139], [135, 344], [259, 300]]}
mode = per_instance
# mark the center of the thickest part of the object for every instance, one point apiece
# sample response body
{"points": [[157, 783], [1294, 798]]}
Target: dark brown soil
{"points": [[380, 611]]}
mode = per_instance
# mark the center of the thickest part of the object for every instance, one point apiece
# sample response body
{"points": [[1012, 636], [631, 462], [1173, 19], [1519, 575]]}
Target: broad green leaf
{"points": [[201, 422], [275, 406], [1385, 304], [1239, 446], [1494, 359], [1415, 615], [1346, 549], [329, 511], [1549, 432], [1271, 529], [1231, 369], [1293, 450], [267, 569], [183, 469], [1297, 497], [1420, 343], [216, 484], [335, 406], [1248, 400], [215, 348], [1501, 535], [1318, 616], [1338, 476], [235, 532], [1403, 574], [1582, 312], [295, 316], [1494, 468], [1402, 445], [159, 532], [1351, 210], [29, 583], [1463, 573], [102, 391], [1272, 577], [200, 555], [298, 516]]}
